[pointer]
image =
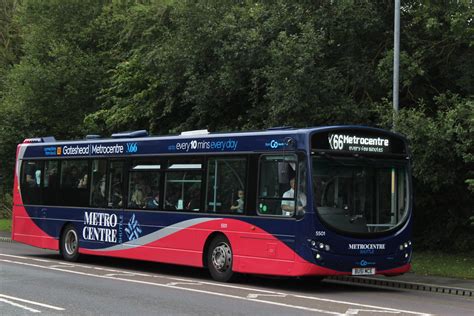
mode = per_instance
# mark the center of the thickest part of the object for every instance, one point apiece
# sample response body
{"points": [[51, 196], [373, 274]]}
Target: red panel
{"points": [[182, 257], [26, 231]]}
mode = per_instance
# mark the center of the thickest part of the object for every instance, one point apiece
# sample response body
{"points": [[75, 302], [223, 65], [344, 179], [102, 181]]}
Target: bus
{"points": [[322, 201]]}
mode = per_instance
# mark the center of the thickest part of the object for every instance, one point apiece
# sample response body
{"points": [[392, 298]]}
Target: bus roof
{"points": [[201, 141], [142, 135]]}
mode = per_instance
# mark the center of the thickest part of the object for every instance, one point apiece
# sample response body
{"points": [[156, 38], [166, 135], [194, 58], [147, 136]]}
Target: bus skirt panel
{"points": [[26, 231]]}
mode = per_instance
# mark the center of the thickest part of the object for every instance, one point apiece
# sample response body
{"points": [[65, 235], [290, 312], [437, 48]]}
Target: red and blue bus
{"points": [[288, 202]]}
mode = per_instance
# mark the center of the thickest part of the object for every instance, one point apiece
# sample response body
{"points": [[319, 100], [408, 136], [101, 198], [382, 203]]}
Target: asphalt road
{"points": [[34, 281]]}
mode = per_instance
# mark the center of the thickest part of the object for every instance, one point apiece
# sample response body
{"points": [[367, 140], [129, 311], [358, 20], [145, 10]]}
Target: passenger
{"points": [[71, 178], [138, 198], [193, 202], [83, 182], [98, 195], [117, 196], [154, 203], [239, 203], [31, 174], [53, 178], [144, 187], [288, 206]]}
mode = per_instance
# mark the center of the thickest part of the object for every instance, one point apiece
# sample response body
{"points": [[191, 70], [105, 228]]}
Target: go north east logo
{"points": [[274, 144], [364, 263], [133, 229]]}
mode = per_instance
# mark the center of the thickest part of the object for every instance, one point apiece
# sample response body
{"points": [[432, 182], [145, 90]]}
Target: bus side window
{"points": [[31, 181], [115, 191], [226, 185], [72, 191], [51, 182], [97, 192], [183, 180]]}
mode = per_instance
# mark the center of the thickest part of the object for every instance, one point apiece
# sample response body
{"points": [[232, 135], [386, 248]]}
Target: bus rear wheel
{"points": [[69, 244], [220, 259]]}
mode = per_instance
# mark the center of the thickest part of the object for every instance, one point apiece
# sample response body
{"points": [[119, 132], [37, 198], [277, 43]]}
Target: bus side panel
{"points": [[24, 229], [185, 246]]}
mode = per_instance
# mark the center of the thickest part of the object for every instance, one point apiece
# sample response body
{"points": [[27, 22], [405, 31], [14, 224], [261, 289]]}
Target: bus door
{"points": [[280, 201], [116, 181], [102, 222]]}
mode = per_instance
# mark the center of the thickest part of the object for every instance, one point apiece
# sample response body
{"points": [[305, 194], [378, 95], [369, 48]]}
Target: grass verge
{"points": [[5, 224], [443, 264]]}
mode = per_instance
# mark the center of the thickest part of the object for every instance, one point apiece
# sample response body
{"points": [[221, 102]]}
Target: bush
{"points": [[441, 145], [6, 206]]}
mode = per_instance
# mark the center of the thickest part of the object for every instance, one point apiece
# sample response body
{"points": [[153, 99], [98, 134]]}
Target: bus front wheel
{"points": [[219, 259], [70, 244]]}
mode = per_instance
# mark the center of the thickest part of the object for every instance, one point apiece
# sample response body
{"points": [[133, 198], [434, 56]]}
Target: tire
{"points": [[220, 259], [69, 247]]}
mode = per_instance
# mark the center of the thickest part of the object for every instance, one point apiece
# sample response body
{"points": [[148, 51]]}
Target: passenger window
{"points": [[278, 187], [115, 189], [31, 181], [98, 183], [51, 182], [226, 185], [183, 184], [74, 182], [144, 184]]}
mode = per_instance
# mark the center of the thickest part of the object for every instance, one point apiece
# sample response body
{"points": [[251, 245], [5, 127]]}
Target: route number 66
{"points": [[336, 142]]}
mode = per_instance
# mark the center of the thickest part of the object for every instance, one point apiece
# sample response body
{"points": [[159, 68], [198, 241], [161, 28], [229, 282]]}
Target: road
{"points": [[34, 281]]}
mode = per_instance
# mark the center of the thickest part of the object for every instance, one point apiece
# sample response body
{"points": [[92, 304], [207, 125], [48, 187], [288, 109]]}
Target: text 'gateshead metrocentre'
{"points": [[93, 150]]}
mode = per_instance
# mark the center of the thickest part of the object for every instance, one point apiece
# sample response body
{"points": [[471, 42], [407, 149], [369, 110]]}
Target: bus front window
{"points": [[354, 195]]}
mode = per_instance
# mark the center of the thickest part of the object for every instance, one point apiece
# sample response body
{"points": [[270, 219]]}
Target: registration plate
{"points": [[363, 271]]}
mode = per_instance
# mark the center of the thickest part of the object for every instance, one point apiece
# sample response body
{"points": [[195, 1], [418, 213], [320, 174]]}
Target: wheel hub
{"points": [[70, 242], [222, 257]]}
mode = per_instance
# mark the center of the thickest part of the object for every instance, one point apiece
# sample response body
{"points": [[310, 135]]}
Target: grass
{"points": [[443, 264], [5, 224]]}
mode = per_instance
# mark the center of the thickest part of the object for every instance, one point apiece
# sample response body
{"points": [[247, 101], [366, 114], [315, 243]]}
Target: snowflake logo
{"points": [[133, 229]]}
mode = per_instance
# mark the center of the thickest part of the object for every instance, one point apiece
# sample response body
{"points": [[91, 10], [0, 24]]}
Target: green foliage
{"points": [[51, 87], [9, 38], [442, 152], [6, 205]]}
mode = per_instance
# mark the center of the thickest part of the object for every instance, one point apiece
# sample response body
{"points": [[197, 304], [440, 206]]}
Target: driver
{"points": [[288, 206]]}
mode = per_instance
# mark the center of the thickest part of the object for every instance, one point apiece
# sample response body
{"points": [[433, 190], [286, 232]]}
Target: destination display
{"points": [[358, 141]]}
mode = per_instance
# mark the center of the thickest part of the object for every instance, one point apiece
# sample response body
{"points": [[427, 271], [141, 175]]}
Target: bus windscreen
{"points": [[353, 195]]}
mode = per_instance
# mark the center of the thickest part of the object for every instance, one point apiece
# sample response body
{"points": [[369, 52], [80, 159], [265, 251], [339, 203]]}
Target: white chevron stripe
{"points": [[164, 232]]}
